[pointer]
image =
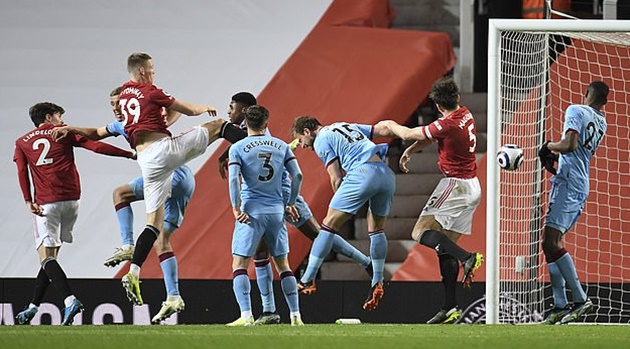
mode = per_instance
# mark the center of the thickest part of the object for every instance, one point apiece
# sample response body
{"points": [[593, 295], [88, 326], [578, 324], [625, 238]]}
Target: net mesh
{"points": [[541, 75]]}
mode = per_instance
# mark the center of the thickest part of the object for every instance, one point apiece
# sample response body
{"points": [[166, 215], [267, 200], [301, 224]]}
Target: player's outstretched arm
{"points": [[405, 158], [89, 132], [191, 109], [381, 130], [103, 148], [393, 129], [172, 116]]}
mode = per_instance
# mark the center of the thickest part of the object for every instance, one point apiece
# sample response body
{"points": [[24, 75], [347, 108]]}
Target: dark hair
{"points": [[39, 111], [304, 122], [116, 91], [598, 92], [245, 98], [137, 60], [256, 117], [445, 93]]}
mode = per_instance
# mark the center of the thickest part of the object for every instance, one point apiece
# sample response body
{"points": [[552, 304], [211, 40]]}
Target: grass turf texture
{"points": [[316, 336]]}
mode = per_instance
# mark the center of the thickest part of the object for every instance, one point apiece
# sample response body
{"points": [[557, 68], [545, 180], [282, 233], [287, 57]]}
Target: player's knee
{"points": [[123, 194], [261, 254], [429, 238], [334, 222], [551, 241], [550, 247], [423, 225], [282, 263], [416, 234], [117, 196], [163, 242], [239, 262], [309, 231], [46, 260]]}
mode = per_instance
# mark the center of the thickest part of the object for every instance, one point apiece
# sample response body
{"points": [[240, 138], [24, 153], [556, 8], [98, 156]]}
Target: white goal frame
{"points": [[496, 26]]}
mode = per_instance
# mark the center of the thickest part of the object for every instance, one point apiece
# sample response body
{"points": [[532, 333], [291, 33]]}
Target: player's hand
{"points": [[212, 111], [292, 212], [35, 208], [383, 129], [404, 160], [223, 167], [60, 132], [240, 216], [547, 158]]}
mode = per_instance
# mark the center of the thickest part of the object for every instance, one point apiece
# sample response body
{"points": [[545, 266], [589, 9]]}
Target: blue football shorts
{"points": [[565, 206], [372, 182], [268, 227], [183, 186]]}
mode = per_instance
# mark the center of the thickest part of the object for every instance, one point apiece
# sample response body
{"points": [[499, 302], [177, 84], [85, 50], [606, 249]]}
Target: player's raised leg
{"points": [[123, 197]]}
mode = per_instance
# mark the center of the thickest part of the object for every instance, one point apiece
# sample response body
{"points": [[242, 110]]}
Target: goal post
{"points": [[536, 68]]}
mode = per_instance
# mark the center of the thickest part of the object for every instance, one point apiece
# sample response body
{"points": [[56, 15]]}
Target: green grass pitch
{"points": [[316, 336]]}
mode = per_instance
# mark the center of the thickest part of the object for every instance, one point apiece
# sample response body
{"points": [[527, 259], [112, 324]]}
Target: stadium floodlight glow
{"points": [[536, 68]]}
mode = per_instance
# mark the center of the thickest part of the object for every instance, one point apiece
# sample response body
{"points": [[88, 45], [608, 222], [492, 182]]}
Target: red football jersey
{"points": [[51, 164], [456, 135], [54, 173], [141, 106]]}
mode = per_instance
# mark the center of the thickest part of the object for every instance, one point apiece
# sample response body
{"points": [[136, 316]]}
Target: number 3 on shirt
{"points": [[266, 156], [131, 107]]}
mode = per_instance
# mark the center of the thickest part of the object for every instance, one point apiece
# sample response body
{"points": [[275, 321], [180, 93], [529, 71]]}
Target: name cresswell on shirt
{"points": [[253, 144], [37, 133]]}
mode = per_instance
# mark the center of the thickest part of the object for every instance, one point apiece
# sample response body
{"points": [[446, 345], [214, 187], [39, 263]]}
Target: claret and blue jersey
{"points": [[573, 167], [262, 161], [350, 143]]}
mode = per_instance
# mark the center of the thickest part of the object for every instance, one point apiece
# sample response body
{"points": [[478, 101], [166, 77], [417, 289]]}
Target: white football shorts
{"points": [[57, 223], [160, 159], [453, 203]]}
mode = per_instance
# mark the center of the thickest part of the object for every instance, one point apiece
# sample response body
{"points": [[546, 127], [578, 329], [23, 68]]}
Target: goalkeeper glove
{"points": [[547, 158]]}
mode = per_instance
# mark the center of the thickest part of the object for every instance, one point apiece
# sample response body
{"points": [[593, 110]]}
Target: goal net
{"points": [[537, 69]]}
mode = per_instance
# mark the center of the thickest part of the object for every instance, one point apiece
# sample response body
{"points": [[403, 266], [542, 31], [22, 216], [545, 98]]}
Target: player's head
{"points": [[240, 102], [256, 117], [114, 98], [46, 113], [305, 129], [140, 66], [596, 94], [445, 94]]}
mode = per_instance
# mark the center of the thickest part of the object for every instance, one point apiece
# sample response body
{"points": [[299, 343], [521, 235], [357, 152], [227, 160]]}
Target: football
{"points": [[510, 157]]}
